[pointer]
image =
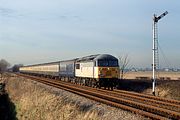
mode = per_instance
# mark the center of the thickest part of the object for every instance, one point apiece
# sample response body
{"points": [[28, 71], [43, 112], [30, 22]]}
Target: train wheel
{"points": [[111, 88], [99, 85]]}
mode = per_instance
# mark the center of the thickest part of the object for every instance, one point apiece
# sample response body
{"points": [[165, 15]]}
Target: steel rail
{"points": [[101, 100], [153, 102], [176, 102], [157, 102]]}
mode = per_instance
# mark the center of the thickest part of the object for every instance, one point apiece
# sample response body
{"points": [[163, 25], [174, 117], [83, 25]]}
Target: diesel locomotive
{"points": [[101, 70]]}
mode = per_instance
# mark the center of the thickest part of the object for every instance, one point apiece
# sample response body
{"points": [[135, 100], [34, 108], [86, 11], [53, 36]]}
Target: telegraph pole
{"points": [[155, 48]]}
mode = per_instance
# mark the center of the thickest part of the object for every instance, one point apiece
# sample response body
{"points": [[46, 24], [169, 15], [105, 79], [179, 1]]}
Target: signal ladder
{"points": [[156, 54]]}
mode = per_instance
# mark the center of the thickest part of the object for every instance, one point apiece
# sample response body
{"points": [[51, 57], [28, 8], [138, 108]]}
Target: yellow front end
{"points": [[108, 72]]}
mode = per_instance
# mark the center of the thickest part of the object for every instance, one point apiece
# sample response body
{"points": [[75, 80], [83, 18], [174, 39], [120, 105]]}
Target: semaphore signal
{"points": [[155, 64]]}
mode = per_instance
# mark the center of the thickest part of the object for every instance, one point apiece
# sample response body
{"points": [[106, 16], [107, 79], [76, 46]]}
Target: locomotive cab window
{"points": [[77, 66], [113, 63], [108, 63]]}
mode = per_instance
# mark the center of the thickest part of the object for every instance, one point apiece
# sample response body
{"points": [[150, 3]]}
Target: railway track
{"points": [[146, 105]]}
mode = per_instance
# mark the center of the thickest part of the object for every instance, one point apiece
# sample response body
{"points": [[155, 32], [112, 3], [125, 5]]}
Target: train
{"points": [[100, 70]]}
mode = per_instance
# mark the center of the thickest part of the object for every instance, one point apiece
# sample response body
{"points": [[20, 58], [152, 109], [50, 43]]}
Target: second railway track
{"points": [[146, 105]]}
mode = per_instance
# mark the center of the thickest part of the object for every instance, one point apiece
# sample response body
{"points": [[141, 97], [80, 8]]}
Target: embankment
{"points": [[37, 101]]}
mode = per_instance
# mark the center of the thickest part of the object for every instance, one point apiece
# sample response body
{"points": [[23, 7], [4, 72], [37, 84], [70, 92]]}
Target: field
{"points": [[148, 75]]}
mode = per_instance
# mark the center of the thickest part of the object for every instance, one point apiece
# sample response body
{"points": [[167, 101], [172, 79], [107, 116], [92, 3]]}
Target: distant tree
{"points": [[3, 65], [123, 65], [16, 67]]}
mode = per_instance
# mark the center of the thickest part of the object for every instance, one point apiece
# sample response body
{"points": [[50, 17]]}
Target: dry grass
{"points": [[39, 102], [167, 89]]}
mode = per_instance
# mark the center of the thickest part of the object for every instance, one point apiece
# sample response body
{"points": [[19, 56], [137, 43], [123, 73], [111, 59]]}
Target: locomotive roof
{"points": [[97, 57], [105, 57], [88, 58]]}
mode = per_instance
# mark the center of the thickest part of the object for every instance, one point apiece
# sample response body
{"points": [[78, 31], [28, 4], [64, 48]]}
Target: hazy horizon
{"points": [[39, 31]]}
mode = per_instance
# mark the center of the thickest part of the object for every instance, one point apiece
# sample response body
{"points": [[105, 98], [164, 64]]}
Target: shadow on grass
{"points": [[7, 108], [85, 107], [134, 85], [140, 85]]}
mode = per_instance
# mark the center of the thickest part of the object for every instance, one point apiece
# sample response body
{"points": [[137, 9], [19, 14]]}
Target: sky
{"points": [[38, 31]]}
